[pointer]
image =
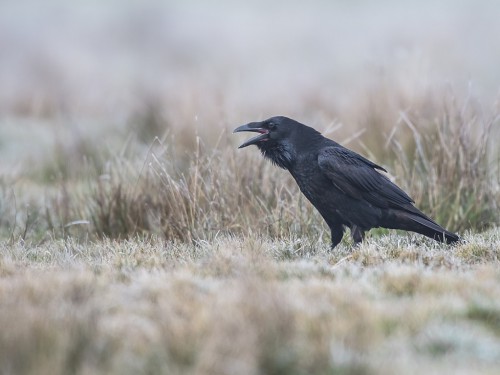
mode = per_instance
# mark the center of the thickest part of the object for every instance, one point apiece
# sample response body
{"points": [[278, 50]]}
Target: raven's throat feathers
{"points": [[281, 154]]}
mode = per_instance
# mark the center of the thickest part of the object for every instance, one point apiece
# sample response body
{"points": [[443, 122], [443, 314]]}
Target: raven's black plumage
{"points": [[345, 187]]}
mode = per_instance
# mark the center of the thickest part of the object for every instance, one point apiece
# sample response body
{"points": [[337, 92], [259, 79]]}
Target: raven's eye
{"points": [[271, 126]]}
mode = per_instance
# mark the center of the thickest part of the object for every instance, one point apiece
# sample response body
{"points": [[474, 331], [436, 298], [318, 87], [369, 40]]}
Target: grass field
{"points": [[251, 305], [136, 239]]}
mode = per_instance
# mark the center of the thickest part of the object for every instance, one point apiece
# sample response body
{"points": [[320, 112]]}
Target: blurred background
{"points": [[87, 86], [95, 68]]}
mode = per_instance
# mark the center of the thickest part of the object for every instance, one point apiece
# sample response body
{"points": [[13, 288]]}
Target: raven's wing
{"points": [[357, 177]]}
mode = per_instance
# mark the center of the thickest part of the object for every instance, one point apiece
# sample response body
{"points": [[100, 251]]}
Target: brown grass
{"points": [[244, 306], [198, 194]]}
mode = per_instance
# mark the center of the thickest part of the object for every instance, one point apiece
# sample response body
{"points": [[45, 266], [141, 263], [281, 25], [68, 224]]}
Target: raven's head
{"points": [[280, 138]]}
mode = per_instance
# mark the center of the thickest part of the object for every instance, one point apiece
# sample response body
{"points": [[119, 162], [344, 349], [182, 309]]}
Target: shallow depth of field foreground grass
{"points": [[394, 305]]}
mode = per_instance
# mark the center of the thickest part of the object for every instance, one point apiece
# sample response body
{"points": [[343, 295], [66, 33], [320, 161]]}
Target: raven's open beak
{"points": [[253, 127]]}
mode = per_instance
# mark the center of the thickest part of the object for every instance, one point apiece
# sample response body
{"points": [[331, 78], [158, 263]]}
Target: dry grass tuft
{"points": [[450, 165], [446, 163]]}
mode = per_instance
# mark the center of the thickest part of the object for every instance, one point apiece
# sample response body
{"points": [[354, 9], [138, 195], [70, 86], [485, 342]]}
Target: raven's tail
{"points": [[421, 224], [430, 229]]}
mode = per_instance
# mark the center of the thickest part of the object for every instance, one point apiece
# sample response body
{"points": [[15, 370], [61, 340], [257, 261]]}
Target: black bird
{"points": [[345, 187]]}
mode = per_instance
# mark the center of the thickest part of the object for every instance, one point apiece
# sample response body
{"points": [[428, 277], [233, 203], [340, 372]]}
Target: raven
{"points": [[345, 187]]}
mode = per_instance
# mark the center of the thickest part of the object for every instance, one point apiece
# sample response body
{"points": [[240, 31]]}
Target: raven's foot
{"points": [[357, 234]]}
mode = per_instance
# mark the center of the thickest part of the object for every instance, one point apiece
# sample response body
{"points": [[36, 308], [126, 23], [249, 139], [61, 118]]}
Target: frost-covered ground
{"points": [[251, 306]]}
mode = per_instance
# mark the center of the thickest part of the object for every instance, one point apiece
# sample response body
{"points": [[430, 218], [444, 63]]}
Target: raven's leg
{"points": [[357, 234], [337, 232]]}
